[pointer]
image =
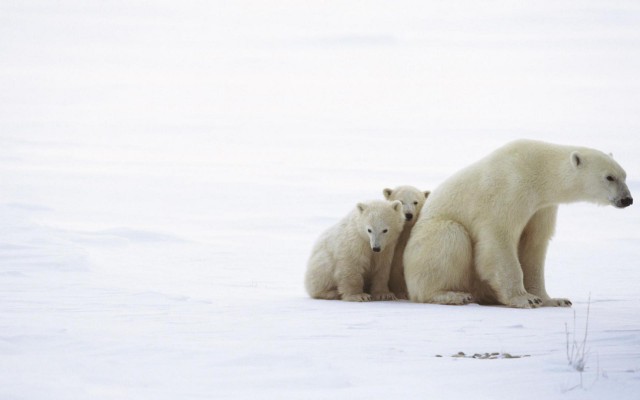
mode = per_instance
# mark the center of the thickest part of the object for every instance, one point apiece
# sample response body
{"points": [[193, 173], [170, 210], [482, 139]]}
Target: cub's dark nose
{"points": [[626, 202], [376, 249], [408, 216]]}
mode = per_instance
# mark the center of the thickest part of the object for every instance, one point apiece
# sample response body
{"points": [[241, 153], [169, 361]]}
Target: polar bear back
{"points": [[515, 181]]}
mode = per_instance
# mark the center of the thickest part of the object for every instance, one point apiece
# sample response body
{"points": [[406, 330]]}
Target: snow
{"points": [[166, 167]]}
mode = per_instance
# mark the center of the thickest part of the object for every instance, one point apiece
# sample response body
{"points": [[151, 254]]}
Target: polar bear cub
{"points": [[352, 259], [484, 233], [412, 200]]}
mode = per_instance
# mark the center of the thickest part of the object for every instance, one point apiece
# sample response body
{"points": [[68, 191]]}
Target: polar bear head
{"points": [[411, 198], [603, 180], [381, 221]]}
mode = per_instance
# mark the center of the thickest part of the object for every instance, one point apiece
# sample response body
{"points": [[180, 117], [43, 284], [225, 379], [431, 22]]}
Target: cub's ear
{"points": [[396, 205], [426, 194], [387, 193], [576, 159], [361, 207]]}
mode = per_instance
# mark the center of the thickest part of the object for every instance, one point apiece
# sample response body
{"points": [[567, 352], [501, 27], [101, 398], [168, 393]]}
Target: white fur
{"points": [[343, 263], [412, 200], [484, 232]]}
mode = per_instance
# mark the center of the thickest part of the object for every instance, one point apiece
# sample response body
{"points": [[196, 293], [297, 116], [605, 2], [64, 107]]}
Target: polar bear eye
{"points": [[610, 178], [415, 203], [385, 231], [369, 230]]}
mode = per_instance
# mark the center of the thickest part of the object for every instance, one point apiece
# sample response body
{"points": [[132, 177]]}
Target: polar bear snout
{"points": [[408, 216], [377, 249], [624, 202], [622, 196]]}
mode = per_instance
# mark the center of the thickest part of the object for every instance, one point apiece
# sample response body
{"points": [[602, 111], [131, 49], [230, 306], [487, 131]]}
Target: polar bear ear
{"points": [[396, 205], [361, 207], [426, 194], [387, 193], [576, 159]]}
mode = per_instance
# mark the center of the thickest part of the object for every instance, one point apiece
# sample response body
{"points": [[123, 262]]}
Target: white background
{"points": [[166, 166]]}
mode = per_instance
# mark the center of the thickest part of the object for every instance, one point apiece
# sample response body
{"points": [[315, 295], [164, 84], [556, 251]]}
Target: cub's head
{"points": [[381, 221], [411, 198], [604, 179]]}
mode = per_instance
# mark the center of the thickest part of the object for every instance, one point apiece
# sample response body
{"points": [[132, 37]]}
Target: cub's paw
{"points": [[383, 296], [402, 295], [525, 301], [356, 297], [557, 303]]}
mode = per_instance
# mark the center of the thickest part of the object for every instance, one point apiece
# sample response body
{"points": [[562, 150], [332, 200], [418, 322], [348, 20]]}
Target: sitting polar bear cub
{"points": [[353, 258], [484, 233]]}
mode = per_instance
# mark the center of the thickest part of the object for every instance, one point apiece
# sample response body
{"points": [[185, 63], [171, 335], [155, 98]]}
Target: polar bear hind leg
{"points": [[438, 264], [319, 280]]}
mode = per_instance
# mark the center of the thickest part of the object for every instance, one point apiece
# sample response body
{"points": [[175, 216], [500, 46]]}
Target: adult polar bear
{"points": [[483, 233]]}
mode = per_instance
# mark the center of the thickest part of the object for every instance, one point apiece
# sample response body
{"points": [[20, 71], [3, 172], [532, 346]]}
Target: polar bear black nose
{"points": [[408, 216], [376, 249], [626, 202]]}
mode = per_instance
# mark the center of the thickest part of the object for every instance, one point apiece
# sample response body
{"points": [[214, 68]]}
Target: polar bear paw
{"points": [[557, 303], [357, 297], [384, 296], [525, 301], [402, 296], [452, 298]]}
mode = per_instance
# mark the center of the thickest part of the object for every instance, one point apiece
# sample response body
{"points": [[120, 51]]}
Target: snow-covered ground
{"points": [[166, 166]]}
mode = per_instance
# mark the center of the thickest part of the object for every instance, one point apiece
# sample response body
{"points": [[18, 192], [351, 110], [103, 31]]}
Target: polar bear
{"points": [[351, 260], [412, 200], [484, 233]]}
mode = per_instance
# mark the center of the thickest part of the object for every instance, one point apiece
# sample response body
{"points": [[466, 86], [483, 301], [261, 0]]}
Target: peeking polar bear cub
{"points": [[484, 233], [351, 260], [412, 200]]}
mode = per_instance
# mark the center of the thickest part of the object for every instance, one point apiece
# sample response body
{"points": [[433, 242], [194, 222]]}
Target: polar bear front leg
{"points": [[397, 283], [532, 252], [351, 284], [380, 277], [497, 264]]}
